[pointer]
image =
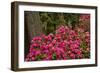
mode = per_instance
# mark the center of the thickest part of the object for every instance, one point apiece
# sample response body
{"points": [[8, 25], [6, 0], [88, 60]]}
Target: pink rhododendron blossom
{"points": [[63, 45], [72, 55], [84, 17]]}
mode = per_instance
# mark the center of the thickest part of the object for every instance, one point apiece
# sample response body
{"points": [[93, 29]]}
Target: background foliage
{"points": [[51, 21]]}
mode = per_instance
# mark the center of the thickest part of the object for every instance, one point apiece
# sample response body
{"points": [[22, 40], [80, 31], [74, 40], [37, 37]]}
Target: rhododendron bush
{"points": [[64, 44]]}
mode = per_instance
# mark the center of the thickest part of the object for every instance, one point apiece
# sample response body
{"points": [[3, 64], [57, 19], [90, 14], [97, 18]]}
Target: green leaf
{"points": [[83, 45], [38, 57], [54, 56]]}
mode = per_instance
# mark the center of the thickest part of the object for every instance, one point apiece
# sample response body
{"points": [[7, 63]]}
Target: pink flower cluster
{"points": [[64, 44], [84, 17]]}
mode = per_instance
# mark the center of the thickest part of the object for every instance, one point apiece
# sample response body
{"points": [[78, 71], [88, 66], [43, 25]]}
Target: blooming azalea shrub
{"points": [[65, 44], [84, 22]]}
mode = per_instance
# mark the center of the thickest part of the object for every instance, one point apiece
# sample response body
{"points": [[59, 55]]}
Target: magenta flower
{"points": [[84, 17], [63, 45], [72, 56]]}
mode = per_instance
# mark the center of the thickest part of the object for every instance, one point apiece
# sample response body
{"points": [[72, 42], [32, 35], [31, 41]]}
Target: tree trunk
{"points": [[32, 27]]}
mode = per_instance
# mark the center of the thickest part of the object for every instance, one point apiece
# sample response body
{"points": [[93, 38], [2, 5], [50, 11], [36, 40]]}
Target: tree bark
{"points": [[33, 27]]}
